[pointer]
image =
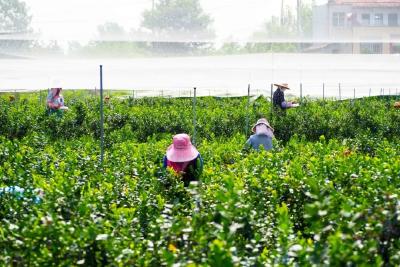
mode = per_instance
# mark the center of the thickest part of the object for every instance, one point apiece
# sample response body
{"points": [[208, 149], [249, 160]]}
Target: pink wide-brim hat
{"points": [[181, 149], [262, 121]]}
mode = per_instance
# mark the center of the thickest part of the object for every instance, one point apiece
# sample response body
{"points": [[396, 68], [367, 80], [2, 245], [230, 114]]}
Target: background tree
{"points": [[284, 29], [306, 16], [112, 43], [45, 48], [178, 20], [110, 30], [14, 18]]}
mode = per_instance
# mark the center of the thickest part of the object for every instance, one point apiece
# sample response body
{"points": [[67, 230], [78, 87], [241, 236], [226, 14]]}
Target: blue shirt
{"points": [[18, 193], [257, 140]]}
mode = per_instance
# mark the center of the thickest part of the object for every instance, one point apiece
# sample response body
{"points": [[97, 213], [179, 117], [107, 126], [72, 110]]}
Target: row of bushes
{"points": [[141, 119]]}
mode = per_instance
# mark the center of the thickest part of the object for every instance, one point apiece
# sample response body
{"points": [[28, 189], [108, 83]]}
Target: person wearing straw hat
{"points": [[184, 159], [55, 101], [263, 134], [279, 97]]}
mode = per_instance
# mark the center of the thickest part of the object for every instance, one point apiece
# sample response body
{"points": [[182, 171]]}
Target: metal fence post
{"points": [[272, 101], [323, 92], [248, 109], [101, 117], [301, 93], [194, 116], [40, 97], [354, 96], [340, 92], [369, 92]]}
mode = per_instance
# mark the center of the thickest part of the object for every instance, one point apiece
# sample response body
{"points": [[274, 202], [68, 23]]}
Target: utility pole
{"points": [[282, 13], [299, 25], [101, 118], [298, 17]]}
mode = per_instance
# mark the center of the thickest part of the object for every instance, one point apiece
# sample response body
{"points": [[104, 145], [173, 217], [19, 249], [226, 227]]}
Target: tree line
{"points": [[175, 22]]}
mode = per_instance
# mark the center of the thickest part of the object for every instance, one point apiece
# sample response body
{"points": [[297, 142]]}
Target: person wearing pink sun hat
{"points": [[184, 158], [55, 101]]}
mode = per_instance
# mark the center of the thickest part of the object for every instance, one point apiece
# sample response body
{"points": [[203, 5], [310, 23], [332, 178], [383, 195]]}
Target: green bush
{"points": [[327, 194]]}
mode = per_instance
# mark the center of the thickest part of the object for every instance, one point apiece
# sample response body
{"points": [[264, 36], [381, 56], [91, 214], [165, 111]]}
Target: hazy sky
{"points": [[78, 19]]}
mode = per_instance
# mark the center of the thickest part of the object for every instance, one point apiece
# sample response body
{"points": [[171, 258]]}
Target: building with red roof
{"points": [[358, 26]]}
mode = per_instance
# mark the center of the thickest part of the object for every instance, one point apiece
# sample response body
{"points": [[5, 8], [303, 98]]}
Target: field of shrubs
{"points": [[328, 194]]}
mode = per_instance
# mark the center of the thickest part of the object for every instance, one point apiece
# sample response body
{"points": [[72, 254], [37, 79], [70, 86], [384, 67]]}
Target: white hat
{"points": [[56, 84]]}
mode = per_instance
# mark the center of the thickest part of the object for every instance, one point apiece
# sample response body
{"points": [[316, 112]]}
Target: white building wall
{"points": [[320, 24], [352, 31]]}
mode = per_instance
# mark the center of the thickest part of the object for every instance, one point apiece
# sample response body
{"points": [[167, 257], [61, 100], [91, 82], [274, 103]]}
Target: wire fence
{"points": [[338, 91]]}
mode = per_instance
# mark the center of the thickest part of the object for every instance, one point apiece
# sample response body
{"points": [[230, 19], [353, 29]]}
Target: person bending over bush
{"points": [[184, 159]]}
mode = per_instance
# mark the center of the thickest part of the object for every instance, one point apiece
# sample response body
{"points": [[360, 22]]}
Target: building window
{"points": [[395, 48], [338, 19], [378, 19], [371, 48], [392, 19], [366, 19]]}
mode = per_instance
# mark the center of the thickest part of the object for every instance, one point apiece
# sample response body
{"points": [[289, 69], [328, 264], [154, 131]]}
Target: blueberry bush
{"points": [[326, 195]]}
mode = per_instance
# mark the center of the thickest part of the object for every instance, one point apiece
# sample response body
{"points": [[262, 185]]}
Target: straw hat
{"points": [[284, 85], [262, 121], [181, 149]]}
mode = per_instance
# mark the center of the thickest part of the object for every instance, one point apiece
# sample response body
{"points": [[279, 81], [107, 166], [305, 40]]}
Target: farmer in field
{"points": [[279, 97], [262, 137], [55, 101], [184, 159], [20, 193]]}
